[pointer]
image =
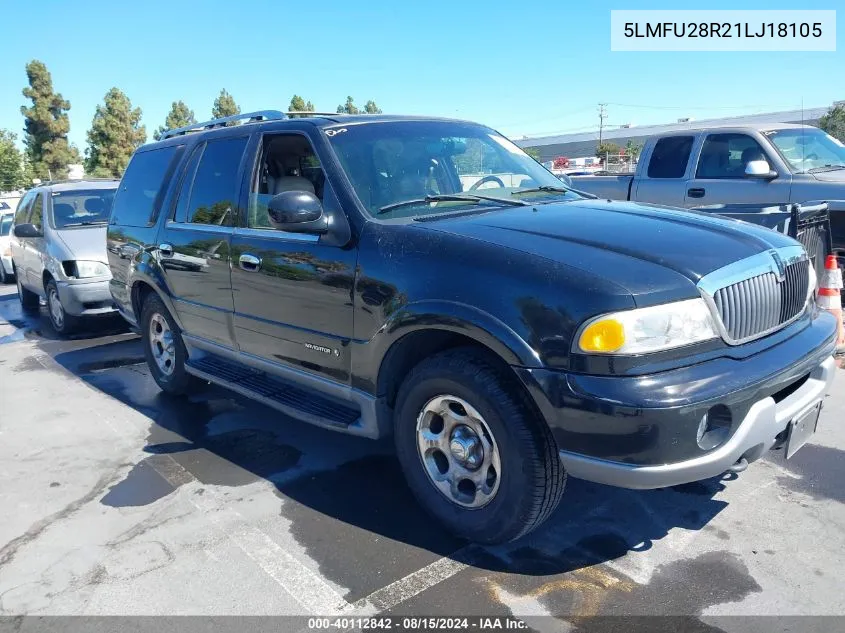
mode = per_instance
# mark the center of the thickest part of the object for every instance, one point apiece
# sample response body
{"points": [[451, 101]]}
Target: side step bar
{"points": [[288, 398]]}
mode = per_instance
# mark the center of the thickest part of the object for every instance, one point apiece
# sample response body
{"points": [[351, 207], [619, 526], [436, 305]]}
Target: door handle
{"points": [[695, 193], [250, 263], [165, 249]]}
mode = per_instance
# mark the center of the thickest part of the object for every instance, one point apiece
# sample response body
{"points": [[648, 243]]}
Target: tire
{"points": [[28, 299], [61, 321], [156, 321], [528, 484], [4, 276]]}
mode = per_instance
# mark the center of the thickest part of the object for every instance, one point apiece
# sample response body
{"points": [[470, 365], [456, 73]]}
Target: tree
{"points": [[371, 108], [533, 152], [46, 125], [349, 107], [633, 149], [834, 122], [605, 148], [224, 105], [115, 133], [11, 163], [180, 115], [298, 104]]}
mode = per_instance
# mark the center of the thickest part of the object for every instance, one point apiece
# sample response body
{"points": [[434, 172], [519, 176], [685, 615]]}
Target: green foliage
{"points": [[115, 133], [180, 115], [298, 104], [218, 213], [834, 122], [606, 148], [633, 149], [12, 175], [46, 126], [224, 105], [371, 108], [349, 107], [533, 152]]}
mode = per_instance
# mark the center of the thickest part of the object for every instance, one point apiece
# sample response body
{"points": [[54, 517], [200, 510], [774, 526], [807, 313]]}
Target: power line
{"points": [[656, 107]]}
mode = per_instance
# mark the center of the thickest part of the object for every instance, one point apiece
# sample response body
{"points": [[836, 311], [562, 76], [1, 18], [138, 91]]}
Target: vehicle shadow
{"points": [[219, 438]]}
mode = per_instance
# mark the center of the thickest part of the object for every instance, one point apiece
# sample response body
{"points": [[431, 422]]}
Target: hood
{"points": [[831, 176], [86, 244], [647, 249]]}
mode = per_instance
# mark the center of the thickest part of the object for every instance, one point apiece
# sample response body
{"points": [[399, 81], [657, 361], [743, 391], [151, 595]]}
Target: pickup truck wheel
{"points": [[28, 299], [163, 348], [472, 450]]}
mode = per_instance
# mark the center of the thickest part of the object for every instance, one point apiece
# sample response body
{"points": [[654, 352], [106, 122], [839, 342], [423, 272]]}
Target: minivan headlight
{"points": [[84, 269], [651, 329]]}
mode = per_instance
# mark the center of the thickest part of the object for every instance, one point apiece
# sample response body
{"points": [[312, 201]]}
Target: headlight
{"points": [[7, 252], [83, 270], [649, 329]]}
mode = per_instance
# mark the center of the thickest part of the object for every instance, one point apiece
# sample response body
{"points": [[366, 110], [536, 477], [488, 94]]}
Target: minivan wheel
{"points": [[164, 349], [28, 299], [62, 322], [473, 451]]}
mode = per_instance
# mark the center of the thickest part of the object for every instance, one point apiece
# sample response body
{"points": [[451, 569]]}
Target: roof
{"points": [[765, 121], [77, 185]]}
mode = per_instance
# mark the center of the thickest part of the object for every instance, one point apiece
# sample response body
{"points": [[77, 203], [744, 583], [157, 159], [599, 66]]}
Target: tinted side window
{"points": [[142, 186], [724, 156], [23, 208], [185, 186], [670, 157], [36, 217], [215, 185]]}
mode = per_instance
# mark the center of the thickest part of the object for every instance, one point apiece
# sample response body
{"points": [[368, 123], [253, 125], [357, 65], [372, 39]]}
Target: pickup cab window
{"points": [[808, 150], [725, 156], [670, 157]]}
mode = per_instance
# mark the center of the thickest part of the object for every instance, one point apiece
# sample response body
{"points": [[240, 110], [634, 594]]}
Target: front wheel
{"points": [[62, 322], [473, 451], [28, 299], [164, 349]]}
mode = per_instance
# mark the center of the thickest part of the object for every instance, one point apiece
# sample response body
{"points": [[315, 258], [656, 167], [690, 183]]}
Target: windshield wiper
{"points": [[450, 197], [86, 223], [816, 170], [553, 189]]}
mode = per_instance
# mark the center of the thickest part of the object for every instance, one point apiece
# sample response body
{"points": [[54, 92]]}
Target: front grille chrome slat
{"points": [[761, 300]]}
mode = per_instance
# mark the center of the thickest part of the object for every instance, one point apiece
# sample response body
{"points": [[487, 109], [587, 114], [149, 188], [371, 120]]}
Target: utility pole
{"points": [[602, 117]]}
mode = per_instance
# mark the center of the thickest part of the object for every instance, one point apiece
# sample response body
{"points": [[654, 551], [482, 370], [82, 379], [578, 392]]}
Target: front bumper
{"points": [[89, 298], [641, 431], [6, 263]]}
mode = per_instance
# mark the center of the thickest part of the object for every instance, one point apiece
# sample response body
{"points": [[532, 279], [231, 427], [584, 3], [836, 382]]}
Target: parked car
{"points": [[503, 336], [58, 249], [7, 273]]}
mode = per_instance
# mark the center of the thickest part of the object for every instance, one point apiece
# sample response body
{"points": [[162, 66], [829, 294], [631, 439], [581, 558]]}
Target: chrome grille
{"points": [[759, 295]]}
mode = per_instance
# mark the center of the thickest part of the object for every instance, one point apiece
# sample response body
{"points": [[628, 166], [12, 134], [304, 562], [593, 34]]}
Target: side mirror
{"points": [[759, 169], [297, 212], [27, 230]]}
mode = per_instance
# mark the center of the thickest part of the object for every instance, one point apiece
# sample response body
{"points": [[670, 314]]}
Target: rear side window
{"points": [[670, 157], [215, 186], [185, 186], [143, 185], [37, 215]]}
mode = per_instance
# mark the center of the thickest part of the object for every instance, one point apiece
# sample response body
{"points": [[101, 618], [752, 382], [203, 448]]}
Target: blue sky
{"points": [[524, 67]]}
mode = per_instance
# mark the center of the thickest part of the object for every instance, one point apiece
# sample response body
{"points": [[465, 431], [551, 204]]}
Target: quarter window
{"points": [[37, 211], [23, 208], [215, 185], [670, 157]]}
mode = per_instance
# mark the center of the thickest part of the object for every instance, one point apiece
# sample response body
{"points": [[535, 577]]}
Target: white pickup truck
{"points": [[761, 165]]}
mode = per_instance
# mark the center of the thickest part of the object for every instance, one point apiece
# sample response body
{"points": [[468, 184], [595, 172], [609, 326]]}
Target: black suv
{"points": [[425, 278]]}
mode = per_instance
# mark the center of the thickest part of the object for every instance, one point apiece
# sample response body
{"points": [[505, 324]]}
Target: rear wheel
{"points": [[164, 349], [62, 322], [28, 299], [472, 449]]}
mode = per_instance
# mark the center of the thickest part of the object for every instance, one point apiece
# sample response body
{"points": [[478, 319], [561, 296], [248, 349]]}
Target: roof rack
{"points": [[307, 113], [63, 181], [251, 117]]}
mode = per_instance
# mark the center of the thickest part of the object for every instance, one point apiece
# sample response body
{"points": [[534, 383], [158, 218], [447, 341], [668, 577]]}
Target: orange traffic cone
{"points": [[828, 298]]}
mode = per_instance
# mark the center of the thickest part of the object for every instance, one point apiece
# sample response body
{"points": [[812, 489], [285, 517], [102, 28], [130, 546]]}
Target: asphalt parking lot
{"points": [[119, 500]]}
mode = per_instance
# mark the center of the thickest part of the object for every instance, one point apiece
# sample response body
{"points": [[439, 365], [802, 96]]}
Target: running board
{"points": [[305, 405]]}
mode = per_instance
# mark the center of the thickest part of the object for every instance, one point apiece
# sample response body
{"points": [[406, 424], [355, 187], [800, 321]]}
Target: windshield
{"points": [[809, 150], [81, 207], [5, 224], [455, 165]]}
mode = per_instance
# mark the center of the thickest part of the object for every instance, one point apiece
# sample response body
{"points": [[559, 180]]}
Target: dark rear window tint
{"points": [[670, 157], [215, 186], [143, 185]]}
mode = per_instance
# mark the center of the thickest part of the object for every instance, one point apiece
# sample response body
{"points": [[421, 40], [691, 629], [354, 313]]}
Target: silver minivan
{"points": [[58, 247]]}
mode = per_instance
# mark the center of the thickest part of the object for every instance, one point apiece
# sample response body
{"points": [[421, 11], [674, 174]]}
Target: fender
{"points": [[147, 270], [450, 316]]}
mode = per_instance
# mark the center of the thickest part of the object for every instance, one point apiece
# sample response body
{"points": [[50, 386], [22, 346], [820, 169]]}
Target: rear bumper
{"points": [[86, 298], [642, 431]]}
